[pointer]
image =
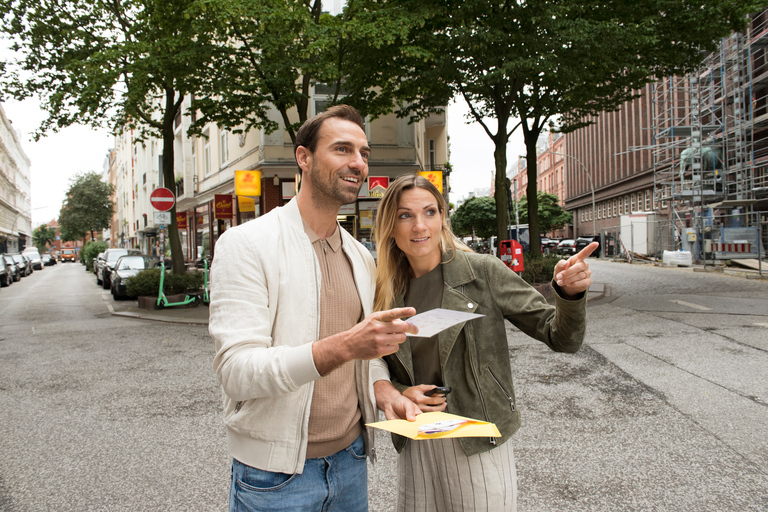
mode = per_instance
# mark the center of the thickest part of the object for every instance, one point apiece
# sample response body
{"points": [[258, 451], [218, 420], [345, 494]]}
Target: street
{"points": [[664, 409]]}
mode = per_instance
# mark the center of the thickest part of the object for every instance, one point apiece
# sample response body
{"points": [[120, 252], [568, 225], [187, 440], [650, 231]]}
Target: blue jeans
{"points": [[338, 482]]}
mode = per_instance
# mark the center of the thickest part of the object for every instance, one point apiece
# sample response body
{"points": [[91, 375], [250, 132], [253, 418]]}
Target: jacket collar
{"points": [[458, 271]]}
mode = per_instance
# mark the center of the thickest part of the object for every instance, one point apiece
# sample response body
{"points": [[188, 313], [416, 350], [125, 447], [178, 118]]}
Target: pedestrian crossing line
{"points": [[691, 305]]}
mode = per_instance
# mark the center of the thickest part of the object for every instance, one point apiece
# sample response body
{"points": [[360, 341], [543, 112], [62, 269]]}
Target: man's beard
{"points": [[325, 194]]}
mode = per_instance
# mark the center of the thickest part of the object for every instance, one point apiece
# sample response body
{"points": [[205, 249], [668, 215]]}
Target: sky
{"points": [[57, 158]]}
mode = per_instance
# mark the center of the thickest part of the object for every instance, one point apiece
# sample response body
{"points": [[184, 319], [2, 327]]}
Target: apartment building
{"points": [[550, 172], [15, 190], [687, 160], [212, 171]]}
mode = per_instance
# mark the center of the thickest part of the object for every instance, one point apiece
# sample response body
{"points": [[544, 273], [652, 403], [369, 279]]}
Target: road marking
{"points": [[691, 305], [761, 325]]}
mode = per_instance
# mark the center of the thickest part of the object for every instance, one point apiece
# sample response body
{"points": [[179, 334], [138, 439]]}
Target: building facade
{"points": [[209, 197], [15, 190]]}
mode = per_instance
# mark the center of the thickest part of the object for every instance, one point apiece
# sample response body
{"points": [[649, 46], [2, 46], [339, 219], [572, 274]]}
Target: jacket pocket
{"points": [[510, 398]]}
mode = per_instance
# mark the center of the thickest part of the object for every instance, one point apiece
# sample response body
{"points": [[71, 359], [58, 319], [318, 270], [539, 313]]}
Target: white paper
{"points": [[436, 320]]}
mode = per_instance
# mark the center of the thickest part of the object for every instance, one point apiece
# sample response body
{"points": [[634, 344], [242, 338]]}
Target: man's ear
{"points": [[304, 158]]}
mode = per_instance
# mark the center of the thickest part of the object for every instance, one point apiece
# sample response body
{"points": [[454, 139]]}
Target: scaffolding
{"points": [[710, 148]]}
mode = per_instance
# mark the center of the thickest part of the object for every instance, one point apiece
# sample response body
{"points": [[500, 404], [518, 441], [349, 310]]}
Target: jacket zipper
{"points": [[511, 400], [492, 440]]}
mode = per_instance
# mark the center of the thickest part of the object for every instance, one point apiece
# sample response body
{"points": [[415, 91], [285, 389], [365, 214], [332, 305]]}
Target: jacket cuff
{"points": [[561, 294], [379, 370], [300, 365]]}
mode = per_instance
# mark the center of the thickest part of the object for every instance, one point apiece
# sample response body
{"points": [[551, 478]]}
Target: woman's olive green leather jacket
{"points": [[474, 356]]}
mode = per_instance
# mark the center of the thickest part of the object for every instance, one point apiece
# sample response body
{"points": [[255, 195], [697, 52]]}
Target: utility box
{"points": [[512, 254]]}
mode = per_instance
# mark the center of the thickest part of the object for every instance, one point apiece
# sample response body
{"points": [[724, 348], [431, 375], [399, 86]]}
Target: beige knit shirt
{"points": [[334, 417]]}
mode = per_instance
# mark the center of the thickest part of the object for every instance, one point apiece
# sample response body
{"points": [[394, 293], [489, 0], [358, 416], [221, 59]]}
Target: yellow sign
{"points": [[246, 204], [248, 183], [435, 178]]}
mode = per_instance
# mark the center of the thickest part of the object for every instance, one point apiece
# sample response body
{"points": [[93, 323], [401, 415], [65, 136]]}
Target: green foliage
{"points": [[147, 282], [90, 251], [551, 214], [272, 52], [88, 207], [535, 61], [43, 236], [477, 212], [538, 269], [126, 63]]}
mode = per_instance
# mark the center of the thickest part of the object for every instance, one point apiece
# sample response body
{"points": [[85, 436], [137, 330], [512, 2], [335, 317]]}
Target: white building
{"points": [[15, 190]]}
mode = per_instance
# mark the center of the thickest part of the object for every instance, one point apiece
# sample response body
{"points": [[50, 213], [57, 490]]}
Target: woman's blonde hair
{"points": [[393, 269]]}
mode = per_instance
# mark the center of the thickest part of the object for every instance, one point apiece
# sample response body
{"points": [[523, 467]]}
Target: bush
{"points": [[147, 282], [90, 251], [539, 269]]}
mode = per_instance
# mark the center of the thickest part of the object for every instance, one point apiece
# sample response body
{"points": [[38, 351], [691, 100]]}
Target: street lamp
{"points": [[591, 186]]}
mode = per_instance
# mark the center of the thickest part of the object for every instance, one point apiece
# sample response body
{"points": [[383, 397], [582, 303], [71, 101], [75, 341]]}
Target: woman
{"points": [[421, 264]]}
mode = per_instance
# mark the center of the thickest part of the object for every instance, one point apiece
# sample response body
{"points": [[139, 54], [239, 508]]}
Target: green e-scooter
{"points": [[162, 300], [206, 295]]}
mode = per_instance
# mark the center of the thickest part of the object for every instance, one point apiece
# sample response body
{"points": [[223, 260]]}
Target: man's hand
{"points": [[573, 275], [380, 334], [395, 405], [434, 403]]}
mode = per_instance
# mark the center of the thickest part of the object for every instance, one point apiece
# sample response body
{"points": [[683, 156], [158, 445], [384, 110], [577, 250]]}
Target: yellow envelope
{"points": [[472, 428]]}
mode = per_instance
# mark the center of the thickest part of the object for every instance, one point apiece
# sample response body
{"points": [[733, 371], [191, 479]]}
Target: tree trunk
{"points": [[531, 192], [500, 184], [177, 256]]}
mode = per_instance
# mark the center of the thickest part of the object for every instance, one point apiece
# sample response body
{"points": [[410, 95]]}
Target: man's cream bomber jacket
{"points": [[264, 316]]}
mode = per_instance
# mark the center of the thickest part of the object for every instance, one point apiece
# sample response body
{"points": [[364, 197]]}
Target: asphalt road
{"points": [[664, 409]]}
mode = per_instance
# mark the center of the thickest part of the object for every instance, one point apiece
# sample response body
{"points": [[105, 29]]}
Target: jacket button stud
{"points": [[470, 305]]}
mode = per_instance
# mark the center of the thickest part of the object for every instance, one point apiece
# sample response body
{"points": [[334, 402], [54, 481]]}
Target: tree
{"points": [[550, 214], [42, 236], [478, 214], [129, 63], [537, 60], [87, 208], [272, 52]]}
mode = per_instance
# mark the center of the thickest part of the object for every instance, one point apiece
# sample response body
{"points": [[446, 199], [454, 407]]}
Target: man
{"points": [[297, 347]]}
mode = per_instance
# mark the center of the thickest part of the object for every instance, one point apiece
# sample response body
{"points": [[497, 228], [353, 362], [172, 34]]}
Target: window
{"points": [[614, 207], [207, 152], [432, 154], [633, 203], [648, 200], [194, 159], [223, 147], [598, 211], [626, 205], [604, 208]]}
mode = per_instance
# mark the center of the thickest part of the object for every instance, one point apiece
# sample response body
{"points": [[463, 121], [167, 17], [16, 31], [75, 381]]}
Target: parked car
{"points": [[567, 246], [584, 241], [110, 259], [67, 255], [6, 272], [97, 261], [29, 261], [34, 256], [128, 266], [24, 265], [11, 263], [48, 260]]}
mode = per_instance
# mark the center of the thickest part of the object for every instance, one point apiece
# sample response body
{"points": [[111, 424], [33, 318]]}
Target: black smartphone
{"points": [[439, 390]]}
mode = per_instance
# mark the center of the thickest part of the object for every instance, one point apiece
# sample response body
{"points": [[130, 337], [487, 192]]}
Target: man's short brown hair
{"points": [[308, 133]]}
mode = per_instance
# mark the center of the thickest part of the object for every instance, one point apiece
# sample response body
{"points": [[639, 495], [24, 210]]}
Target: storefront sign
{"points": [[246, 204], [377, 185], [222, 206], [289, 189], [435, 178], [347, 209], [181, 220], [248, 183]]}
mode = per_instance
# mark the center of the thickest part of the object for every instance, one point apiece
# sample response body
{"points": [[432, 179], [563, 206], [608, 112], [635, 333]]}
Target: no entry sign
{"points": [[162, 199]]}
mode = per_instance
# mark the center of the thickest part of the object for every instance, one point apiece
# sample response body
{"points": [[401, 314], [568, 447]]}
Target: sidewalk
{"points": [[174, 315]]}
